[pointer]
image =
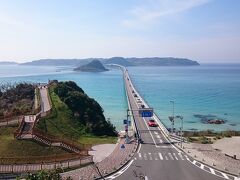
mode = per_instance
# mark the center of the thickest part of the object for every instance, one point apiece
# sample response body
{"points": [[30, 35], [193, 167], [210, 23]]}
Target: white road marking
{"points": [[150, 156], [155, 132], [156, 157], [175, 156], [180, 155], [140, 145], [150, 133], [170, 155], [187, 158], [121, 171], [145, 156], [212, 171], [224, 175], [194, 162], [202, 166], [158, 136], [160, 156], [146, 124], [140, 155]]}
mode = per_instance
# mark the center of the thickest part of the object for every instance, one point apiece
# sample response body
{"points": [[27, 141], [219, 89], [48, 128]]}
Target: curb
{"points": [[214, 167], [121, 167]]}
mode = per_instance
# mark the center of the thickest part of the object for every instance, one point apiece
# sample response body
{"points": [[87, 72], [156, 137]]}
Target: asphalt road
{"points": [[157, 158]]}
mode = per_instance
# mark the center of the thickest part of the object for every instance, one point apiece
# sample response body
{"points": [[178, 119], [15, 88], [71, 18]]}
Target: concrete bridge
{"points": [[157, 156]]}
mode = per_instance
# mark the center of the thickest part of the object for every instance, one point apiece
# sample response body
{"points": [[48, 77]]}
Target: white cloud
{"points": [[155, 9]]}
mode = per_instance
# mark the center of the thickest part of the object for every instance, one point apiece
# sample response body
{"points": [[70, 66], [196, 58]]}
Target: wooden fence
{"points": [[15, 165]]}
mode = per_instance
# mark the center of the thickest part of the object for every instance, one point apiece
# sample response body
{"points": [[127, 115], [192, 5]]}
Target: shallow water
{"points": [[205, 89]]}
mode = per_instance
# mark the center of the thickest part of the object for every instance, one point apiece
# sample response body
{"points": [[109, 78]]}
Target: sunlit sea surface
{"points": [[196, 90]]}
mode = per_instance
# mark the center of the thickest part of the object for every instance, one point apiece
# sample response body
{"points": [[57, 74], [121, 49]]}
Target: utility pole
{"points": [[126, 128], [172, 115], [181, 117]]}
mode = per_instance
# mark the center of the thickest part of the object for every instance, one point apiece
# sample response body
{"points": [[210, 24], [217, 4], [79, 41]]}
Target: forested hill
{"points": [[147, 61], [93, 66], [86, 110]]}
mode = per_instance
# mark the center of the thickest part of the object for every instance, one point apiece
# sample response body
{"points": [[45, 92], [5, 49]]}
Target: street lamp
{"points": [[172, 118], [181, 117]]}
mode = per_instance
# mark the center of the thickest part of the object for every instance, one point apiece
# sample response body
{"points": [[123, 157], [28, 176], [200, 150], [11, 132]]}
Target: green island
{"points": [[74, 116]]}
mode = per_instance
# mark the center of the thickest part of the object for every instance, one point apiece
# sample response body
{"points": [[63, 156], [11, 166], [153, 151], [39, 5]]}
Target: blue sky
{"points": [[204, 30]]}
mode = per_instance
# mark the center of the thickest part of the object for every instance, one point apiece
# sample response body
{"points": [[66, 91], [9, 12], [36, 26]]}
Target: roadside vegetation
{"points": [[76, 116], [209, 136], [11, 147], [16, 99]]}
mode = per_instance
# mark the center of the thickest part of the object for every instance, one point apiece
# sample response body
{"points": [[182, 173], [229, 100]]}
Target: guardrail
{"points": [[161, 125]]}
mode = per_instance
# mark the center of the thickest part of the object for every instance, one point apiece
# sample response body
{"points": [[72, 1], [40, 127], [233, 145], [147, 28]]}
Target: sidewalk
{"points": [[14, 121], [107, 166], [206, 154]]}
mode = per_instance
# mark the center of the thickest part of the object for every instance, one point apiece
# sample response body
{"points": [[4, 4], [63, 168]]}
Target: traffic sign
{"points": [[146, 112], [125, 121]]}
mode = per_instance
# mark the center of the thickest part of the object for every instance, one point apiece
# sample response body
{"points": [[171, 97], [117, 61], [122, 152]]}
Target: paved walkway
{"points": [[206, 154], [13, 121], [100, 152], [230, 146], [44, 99], [108, 165]]}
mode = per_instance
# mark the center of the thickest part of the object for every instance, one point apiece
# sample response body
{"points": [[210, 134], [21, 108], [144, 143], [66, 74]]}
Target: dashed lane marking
{"points": [[175, 156], [211, 170], [180, 155], [140, 155], [170, 155], [150, 156], [160, 156]]}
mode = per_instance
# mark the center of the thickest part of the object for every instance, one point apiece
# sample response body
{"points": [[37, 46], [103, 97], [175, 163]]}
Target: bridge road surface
{"points": [[157, 159]]}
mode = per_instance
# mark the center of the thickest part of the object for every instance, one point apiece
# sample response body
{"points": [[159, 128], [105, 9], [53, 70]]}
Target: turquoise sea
{"points": [[196, 90]]}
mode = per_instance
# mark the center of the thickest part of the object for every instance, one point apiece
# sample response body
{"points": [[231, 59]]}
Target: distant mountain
{"points": [[119, 60], [7, 63], [93, 66], [147, 61], [58, 62], [165, 61]]}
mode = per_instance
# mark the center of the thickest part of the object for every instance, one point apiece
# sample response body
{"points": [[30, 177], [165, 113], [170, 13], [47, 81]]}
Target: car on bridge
{"points": [[152, 123]]}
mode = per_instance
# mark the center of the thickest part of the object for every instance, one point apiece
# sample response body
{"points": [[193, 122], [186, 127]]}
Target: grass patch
{"points": [[97, 140], [10, 147]]}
